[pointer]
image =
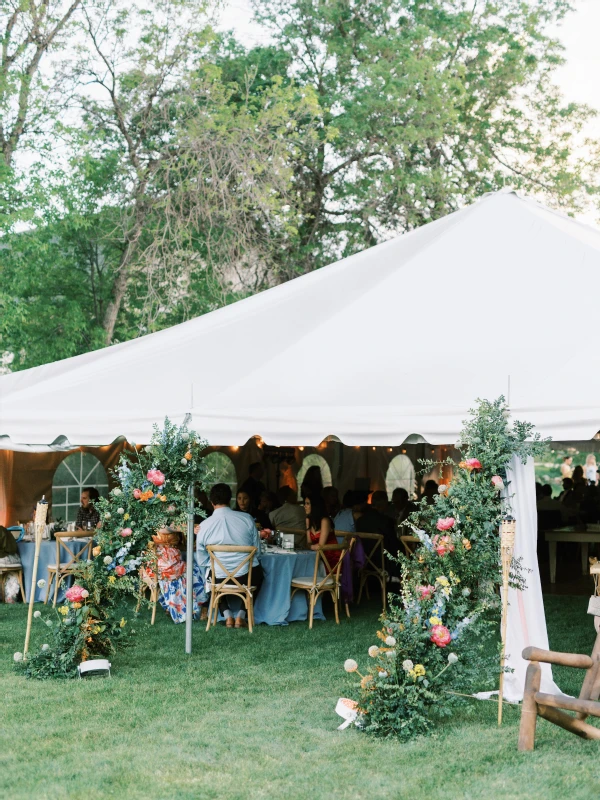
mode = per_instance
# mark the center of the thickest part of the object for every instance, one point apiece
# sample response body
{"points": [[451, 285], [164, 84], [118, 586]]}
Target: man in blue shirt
{"points": [[229, 527]]}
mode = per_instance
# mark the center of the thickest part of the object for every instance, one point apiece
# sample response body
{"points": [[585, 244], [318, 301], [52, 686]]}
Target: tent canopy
{"points": [[398, 340]]}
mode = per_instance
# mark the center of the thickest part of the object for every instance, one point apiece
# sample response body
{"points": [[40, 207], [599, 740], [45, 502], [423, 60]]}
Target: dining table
{"points": [[47, 556], [571, 534], [274, 604]]}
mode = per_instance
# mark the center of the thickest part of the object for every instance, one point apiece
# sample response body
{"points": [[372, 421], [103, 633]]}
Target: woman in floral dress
{"points": [[172, 581]]}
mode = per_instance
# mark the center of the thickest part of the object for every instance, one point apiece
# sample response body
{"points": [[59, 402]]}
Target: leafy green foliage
{"points": [[436, 634]]}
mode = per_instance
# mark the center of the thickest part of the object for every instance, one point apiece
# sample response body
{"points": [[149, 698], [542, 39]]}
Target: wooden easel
{"points": [[539, 704]]}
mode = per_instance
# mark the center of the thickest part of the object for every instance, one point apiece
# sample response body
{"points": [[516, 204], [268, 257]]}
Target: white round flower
{"points": [[407, 665], [18, 657], [148, 448], [350, 665], [41, 583], [120, 510], [107, 515], [107, 560], [452, 658], [390, 641], [466, 591], [184, 462], [185, 436], [45, 647], [49, 623], [37, 614], [117, 492], [391, 654], [373, 650], [442, 488], [383, 674]]}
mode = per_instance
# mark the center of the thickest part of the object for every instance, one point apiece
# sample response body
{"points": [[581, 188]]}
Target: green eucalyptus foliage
{"points": [[436, 636]]}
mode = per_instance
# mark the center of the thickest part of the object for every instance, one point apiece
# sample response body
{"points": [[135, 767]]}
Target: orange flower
{"points": [[75, 605], [366, 681], [96, 551], [188, 456], [466, 544], [162, 498]]}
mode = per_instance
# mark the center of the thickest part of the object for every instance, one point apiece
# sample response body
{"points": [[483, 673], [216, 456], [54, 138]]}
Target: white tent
{"points": [[395, 341]]}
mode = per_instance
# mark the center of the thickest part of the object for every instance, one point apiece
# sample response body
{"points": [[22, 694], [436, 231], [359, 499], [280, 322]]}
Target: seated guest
{"points": [[87, 516], [367, 519], [319, 528], [403, 507], [172, 578], [290, 514], [268, 502], [9, 556], [430, 492], [243, 503], [253, 485], [229, 527], [379, 500], [546, 502], [331, 498], [344, 520]]}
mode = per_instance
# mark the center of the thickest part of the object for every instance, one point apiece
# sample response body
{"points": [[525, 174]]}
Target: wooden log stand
{"points": [[552, 706]]}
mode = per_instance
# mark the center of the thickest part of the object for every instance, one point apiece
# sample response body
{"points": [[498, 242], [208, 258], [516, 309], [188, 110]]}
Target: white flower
{"points": [[148, 448], [184, 462], [37, 614], [18, 657], [107, 560], [45, 647], [350, 665], [185, 436], [383, 674], [390, 641], [373, 650], [452, 658], [107, 515], [117, 492], [466, 591], [120, 510], [391, 654], [407, 665], [41, 583], [442, 488], [49, 623]]}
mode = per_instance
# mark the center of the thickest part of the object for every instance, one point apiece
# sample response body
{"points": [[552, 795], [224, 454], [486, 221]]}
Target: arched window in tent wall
{"points": [[75, 473], [400, 474], [221, 470], [314, 460]]}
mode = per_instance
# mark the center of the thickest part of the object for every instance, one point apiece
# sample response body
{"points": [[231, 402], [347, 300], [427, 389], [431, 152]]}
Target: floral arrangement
{"points": [[151, 492], [434, 642]]}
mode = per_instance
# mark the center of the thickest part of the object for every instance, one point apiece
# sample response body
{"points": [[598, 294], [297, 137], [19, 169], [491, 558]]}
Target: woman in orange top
{"points": [[319, 528]]}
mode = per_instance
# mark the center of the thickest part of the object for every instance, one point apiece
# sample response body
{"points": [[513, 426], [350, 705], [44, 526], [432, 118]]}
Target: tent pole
{"points": [[189, 577]]}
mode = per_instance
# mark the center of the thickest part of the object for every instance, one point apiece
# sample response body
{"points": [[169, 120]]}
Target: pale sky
{"points": [[579, 78]]}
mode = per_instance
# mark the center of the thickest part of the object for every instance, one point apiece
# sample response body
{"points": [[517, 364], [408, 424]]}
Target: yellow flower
{"points": [[419, 670], [75, 605], [125, 516], [111, 579], [96, 629], [96, 551], [123, 622], [442, 580], [435, 621], [64, 610], [162, 498], [412, 674]]}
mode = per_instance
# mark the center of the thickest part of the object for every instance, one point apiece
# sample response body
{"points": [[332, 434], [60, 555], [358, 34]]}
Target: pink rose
{"points": [[440, 635], [473, 463], [120, 571], [126, 532], [497, 482], [445, 524], [76, 594], [156, 477], [137, 493], [442, 545], [425, 591]]}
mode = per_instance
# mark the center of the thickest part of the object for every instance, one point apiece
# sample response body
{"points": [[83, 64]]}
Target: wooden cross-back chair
{"points": [[374, 567], [62, 569], [230, 585], [4, 572], [553, 706], [329, 582]]}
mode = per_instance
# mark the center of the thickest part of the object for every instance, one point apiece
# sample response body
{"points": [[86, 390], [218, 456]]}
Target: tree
{"points": [[29, 29], [424, 105]]}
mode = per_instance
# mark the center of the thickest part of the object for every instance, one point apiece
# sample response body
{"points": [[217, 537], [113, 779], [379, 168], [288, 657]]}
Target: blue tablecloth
{"points": [[47, 556], [273, 605]]}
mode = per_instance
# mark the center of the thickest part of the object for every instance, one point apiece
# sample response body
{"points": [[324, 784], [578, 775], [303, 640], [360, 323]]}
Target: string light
{"points": [[301, 449], [404, 451], [235, 448]]}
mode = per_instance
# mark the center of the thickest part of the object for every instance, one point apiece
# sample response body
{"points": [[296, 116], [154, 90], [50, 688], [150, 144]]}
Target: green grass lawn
{"points": [[252, 716]]}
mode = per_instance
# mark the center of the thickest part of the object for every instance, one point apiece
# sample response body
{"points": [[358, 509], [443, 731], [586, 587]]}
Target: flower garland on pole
{"points": [[152, 492], [436, 635]]}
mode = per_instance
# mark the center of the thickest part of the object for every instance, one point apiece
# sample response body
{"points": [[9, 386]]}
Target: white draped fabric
{"points": [[526, 618]]}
